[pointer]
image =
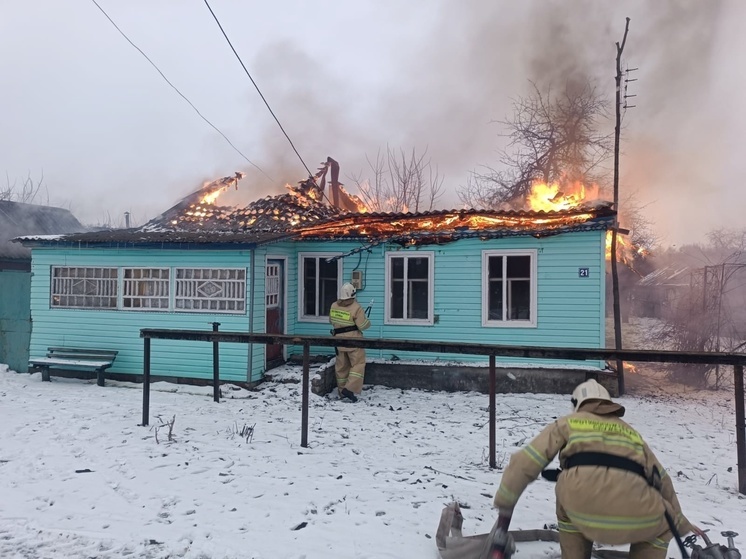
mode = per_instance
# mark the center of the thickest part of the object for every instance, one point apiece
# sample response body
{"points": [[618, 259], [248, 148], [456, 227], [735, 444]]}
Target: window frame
{"points": [[115, 280], [119, 285], [175, 279], [430, 256], [531, 322], [123, 280], [319, 318]]}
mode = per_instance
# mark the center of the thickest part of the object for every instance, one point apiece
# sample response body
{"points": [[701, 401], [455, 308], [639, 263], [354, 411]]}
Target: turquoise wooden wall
{"points": [[570, 308], [15, 318], [120, 330]]}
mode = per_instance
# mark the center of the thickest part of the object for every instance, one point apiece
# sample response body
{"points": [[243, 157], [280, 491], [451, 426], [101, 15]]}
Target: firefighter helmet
{"points": [[347, 291], [589, 390]]}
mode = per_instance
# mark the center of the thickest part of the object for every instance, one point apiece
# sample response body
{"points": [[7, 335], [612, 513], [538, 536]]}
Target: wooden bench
{"points": [[75, 358]]}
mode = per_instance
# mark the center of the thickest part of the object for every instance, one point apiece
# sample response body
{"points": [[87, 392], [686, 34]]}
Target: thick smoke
{"points": [[463, 65]]}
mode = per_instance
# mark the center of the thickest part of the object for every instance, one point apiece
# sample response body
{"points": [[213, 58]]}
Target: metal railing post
{"points": [[740, 427], [215, 365], [493, 427], [146, 382], [304, 401]]}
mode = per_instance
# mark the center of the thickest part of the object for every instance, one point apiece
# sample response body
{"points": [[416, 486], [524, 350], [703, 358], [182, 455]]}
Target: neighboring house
{"points": [[521, 278], [656, 294], [15, 272]]}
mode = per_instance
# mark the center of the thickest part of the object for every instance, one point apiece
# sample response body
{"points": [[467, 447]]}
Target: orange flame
{"points": [[554, 197]]}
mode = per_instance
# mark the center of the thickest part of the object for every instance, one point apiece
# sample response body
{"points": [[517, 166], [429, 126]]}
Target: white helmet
{"points": [[347, 291], [589, 390]]}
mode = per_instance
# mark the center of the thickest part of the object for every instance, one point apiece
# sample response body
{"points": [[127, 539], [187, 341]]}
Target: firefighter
{"points": [[611, 488], [348, 320]]}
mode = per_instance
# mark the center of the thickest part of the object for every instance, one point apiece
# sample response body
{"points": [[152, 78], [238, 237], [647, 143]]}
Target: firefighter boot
{"points": [[349, 395]]}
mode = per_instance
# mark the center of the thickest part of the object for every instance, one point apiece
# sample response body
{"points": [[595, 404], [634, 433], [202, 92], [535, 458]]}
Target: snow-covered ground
{"points": [[80, 479]]}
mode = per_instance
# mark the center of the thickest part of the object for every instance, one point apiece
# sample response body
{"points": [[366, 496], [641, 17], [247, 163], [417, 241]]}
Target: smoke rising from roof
{"points": [[446, 92]]}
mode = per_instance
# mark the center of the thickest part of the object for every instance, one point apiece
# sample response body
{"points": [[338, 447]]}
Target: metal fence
{"points": [[737, 360]]}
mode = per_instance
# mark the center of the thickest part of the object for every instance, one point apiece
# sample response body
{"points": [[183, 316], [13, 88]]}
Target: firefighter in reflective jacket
{"points": [[611, 488], [348, 321]]}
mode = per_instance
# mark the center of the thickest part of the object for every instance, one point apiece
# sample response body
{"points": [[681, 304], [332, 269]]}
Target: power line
{"points": [[257, 88], [181, 94]]}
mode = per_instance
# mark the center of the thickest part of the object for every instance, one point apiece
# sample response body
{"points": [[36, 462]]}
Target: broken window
{"points": [[319, 283], [509, 287], [409, 288]]}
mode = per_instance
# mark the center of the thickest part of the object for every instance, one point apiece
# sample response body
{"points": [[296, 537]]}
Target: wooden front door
{"points": [[274, 299]]}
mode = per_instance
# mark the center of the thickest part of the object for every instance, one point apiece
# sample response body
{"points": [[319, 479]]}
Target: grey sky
{"points": [[345, 78]]}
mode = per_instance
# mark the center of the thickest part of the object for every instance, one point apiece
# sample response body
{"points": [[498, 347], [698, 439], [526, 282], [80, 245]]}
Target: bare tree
{"points": [[27, 191], [554, 137], [710, 316], [400, 181]]}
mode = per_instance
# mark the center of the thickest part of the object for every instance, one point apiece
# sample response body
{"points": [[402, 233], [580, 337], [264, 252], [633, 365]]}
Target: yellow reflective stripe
{"points": [[340, 315], [659, 543], [567, 527], [614, 522], [356, 375], [535, 455], [610, 427], [510, 497], [604, 439], [336, 322]]}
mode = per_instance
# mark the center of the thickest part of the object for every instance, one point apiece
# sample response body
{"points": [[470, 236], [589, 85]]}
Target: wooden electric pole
{"points": [[615, 228]]}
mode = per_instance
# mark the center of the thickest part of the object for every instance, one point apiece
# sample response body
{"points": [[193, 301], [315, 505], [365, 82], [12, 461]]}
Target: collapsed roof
{"points": [[310, 211]]}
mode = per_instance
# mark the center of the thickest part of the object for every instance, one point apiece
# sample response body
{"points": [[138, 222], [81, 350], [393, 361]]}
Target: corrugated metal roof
{"points": [[17, 219], [671, 276]]}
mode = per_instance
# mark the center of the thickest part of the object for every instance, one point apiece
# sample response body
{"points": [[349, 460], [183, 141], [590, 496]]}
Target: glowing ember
{"points": [[630, 368]]}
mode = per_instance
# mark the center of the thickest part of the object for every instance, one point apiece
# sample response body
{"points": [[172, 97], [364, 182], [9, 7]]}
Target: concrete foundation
{"points": [[465, 378]]}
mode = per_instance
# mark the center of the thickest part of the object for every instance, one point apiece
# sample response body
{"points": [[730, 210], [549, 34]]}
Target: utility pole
{"points": [[615, 228]]}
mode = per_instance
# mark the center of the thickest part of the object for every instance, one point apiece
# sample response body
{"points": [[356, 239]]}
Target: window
{"points": [[409, 288], [145, 288], [509, 288], [272, 286], [210, 290], [319, 284], [84, 288]]}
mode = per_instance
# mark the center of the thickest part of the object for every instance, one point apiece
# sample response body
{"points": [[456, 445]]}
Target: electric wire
{"points": [[180, 93], [310, 174]]}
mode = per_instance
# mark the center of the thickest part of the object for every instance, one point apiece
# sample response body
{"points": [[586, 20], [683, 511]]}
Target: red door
{"points": [[274, 297]]}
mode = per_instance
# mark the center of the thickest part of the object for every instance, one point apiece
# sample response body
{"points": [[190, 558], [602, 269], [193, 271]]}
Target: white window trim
{"points": [[174, 274], [52, 279], [531, 323], [301, 255], [122, 297], [429, 321]]}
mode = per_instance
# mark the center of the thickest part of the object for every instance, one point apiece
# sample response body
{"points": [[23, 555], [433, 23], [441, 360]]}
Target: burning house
{"points": [[519, 277]]}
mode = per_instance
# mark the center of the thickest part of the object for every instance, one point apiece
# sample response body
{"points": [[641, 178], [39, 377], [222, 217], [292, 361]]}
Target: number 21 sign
{"points": [[584, 272]]}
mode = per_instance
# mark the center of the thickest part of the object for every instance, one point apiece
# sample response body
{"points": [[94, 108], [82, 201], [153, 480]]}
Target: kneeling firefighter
{"points": [[611, 489], [349, 320]]}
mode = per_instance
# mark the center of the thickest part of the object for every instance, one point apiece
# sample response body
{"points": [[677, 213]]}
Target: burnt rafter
{"points": [[440, 226]]}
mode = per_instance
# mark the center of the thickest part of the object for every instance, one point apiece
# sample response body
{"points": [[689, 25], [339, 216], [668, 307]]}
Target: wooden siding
{"points": [[120, 330], [570, 308]]}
